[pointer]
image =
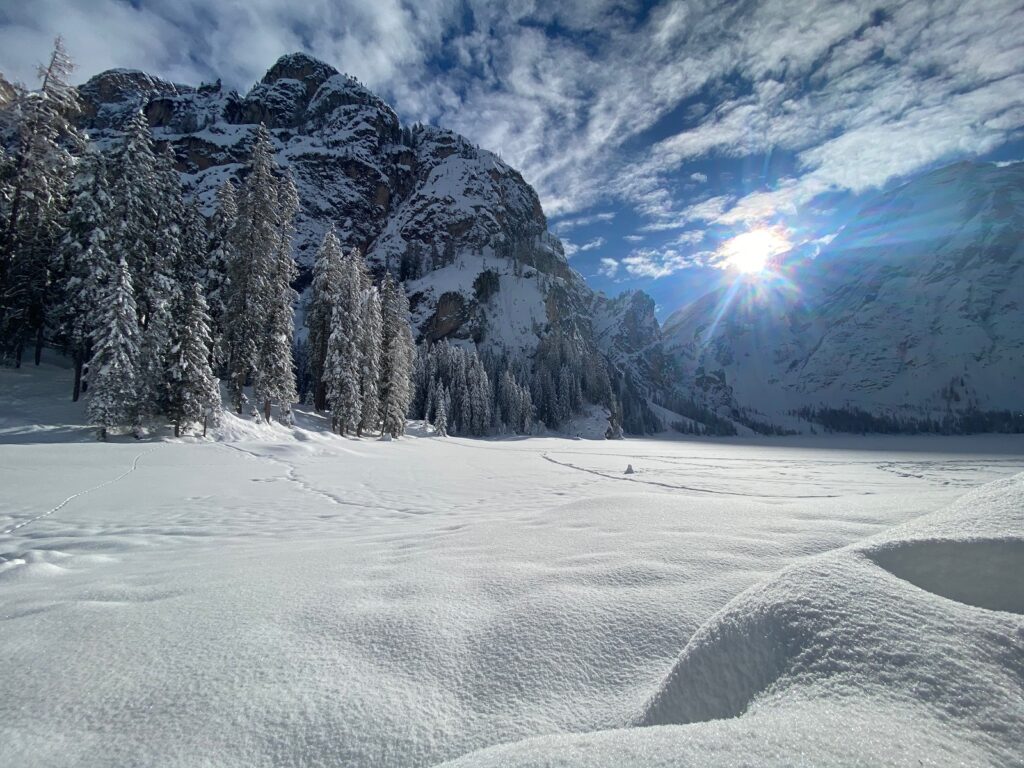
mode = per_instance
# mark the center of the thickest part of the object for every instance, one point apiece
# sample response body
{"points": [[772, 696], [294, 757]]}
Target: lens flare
{"points": [[751, 253]]}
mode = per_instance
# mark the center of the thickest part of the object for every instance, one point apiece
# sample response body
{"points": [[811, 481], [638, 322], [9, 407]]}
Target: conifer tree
{"points": [[87, 263], [255, 244], [112, 391], [193, 393], [441, 412], [396, 358], [371, 340], [274, 380], [344, 358], [215, 276], [39, 175], [134, 191], [327, 276], [164, 260]]}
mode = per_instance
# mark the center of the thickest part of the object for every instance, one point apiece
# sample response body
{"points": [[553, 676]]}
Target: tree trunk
{"points": [[266, 410], [205, 417], [177, 429], [39, 345], [79, 364], [320, 396], [19, 350]]}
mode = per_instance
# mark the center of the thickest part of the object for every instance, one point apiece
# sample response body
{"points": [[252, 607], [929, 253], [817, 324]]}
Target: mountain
{"points": [[912, 317], [461, 228]]}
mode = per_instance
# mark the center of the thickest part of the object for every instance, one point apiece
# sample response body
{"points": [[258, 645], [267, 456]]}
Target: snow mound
{"points": [[986, 574], [817, 666]]}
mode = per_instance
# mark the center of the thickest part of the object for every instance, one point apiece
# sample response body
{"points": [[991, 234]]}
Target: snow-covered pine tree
{"points": [[31, 234], [134, 180], [87, 263], [112, 390], [255, 242], [398, 350], [327, 276], [441, 412], [371, 340], [344, 358], [193, 392], [195, 245], [274, 380], [215, 276], [161, 287]]}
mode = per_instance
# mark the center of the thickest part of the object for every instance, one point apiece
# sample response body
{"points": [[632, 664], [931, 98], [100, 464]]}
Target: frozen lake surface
{"points": [[287, 597]]}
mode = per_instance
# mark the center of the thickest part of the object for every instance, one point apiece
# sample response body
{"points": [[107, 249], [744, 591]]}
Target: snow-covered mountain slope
{"points": [[422, 200], [915, 311]]}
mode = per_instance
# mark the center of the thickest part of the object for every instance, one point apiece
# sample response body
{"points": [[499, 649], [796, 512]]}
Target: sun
{"points": [[751, 253]]}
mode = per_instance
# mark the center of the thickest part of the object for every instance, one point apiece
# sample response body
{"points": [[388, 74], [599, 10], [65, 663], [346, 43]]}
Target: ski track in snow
{"points": [[72, 497], [292, 476], [675, 487]]}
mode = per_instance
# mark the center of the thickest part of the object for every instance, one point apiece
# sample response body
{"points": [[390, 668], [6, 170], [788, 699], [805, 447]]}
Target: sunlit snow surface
{"points": [[286, 597]]}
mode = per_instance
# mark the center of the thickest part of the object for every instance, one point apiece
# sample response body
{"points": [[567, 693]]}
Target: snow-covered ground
{"points": [[287, 597]]}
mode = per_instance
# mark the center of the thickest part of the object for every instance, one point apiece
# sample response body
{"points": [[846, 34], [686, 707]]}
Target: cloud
{"points": [[633, 238], [657, 263], [700, 178], [860, 92], [582, 221], [597, 242], [609, 268]]}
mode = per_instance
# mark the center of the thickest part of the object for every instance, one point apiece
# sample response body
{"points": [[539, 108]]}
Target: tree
{"points": [[274, 380], [87, 266], [135, 202], [255, 243], [370, 342], [344, 357], [193, 392], [327, 276], [31, 234], [162, 257], [441, 412], [396, 358], [116, 348], [215, 276]]}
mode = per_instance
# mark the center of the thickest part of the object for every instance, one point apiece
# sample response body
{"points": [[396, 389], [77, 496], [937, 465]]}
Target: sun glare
{"points": [[751, 253]]}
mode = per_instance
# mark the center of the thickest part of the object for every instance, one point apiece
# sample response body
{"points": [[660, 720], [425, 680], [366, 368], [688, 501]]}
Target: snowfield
{"points": [[282, 596]]}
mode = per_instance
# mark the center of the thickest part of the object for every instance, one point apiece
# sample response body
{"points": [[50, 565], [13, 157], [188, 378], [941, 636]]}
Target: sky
{"points": [[654, 133]]}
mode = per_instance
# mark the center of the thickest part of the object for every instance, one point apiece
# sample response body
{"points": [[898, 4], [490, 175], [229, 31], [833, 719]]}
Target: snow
{"points": [[283, 596]]}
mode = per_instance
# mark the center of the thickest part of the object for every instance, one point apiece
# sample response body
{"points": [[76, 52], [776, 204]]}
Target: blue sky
{"points": [[653, 132]]}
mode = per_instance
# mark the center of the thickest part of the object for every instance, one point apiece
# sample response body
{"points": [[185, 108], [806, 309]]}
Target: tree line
{"points": [[103, 256]]}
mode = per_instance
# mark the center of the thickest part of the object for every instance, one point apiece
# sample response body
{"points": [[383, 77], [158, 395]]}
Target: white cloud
{"points": [[609, 267], [633, 238], [700, 178], [860, 91], [582, 221], [658, 263], [597, 242]]}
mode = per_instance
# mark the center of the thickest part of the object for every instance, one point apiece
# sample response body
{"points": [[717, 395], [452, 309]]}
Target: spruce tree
{"points": [[31, 232], [327, 276], [370, 341], [441, 413], [87, 263], [220, 245], [253, 269], [274, 380], [396, 358], [112, 391], [344, 358], [193, 392]]}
